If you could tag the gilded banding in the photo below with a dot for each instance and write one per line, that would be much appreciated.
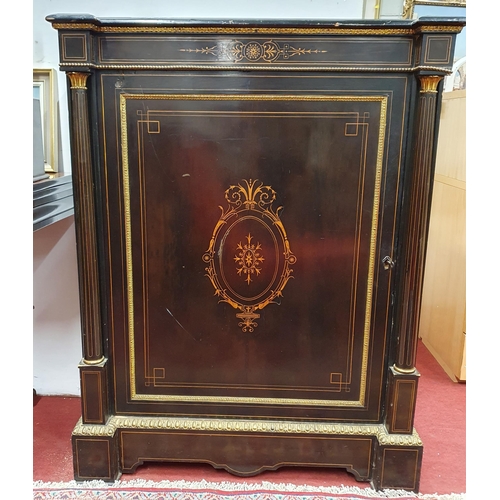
(217, 67)
(377, 431)
(207, 257)
(333, 30)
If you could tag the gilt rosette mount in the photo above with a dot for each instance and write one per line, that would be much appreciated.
(249, 257)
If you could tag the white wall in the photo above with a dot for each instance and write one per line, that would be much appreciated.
(56, 324)
(56, 313)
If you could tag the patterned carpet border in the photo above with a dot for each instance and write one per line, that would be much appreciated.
(204, 490)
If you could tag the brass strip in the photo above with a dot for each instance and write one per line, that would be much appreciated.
(371, 265)
(373, 242)
(128, 239)
(249, 400)
(255, 97)
(93, 361)
(220, 30)
(263, 67)
(404, 370)
(117, 422)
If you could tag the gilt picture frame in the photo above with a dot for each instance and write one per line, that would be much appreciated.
(409, 6)
(44, 89)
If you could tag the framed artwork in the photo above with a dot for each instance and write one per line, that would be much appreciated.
(412, 7)
(44, 89)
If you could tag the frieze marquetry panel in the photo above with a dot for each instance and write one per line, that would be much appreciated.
(260, 51)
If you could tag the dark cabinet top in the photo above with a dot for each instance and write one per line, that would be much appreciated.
(117, 24)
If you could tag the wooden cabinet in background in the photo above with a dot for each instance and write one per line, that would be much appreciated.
(442, 321)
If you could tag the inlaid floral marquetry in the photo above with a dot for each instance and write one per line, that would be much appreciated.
(236, 51)
(249, 212)
(249, 258)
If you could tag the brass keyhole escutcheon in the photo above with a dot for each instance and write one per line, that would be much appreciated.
(387, 262)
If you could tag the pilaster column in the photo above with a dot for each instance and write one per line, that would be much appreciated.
(93, 369)
(402, 376)
(83, 193)
(418, 222)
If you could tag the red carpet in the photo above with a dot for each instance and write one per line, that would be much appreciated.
(439, 420)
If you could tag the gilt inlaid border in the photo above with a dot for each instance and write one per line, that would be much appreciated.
(383, 100)
(268, 30)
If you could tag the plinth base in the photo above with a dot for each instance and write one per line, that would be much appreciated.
(247, 447)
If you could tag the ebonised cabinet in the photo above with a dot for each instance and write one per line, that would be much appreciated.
(251, 204)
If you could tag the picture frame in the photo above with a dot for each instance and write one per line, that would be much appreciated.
(409, 6)
(44, 89)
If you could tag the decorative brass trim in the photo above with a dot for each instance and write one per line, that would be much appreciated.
(429, 83)
(118, 422)
(259, 198)
(221, 30)
(249, 67)
(78, 80)
(255, 97)
(406, 371)
(95, 430)
(93, 362)
(250, 400)
(384, 438)
(128, 237)
(439, 29)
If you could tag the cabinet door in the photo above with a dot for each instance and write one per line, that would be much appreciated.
(246, 219)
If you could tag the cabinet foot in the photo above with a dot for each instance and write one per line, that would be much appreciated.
(95, 453)
(398, 467)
